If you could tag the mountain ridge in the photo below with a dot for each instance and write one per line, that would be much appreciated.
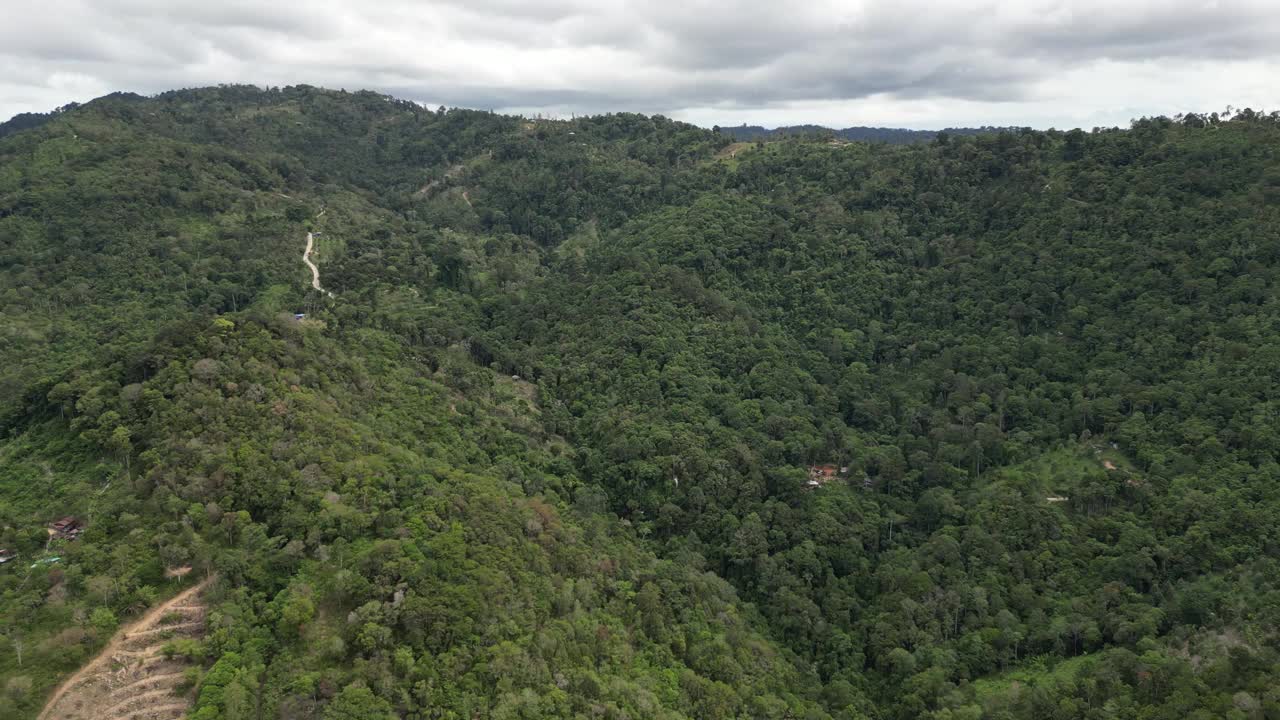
(888, 135)
(743, 132)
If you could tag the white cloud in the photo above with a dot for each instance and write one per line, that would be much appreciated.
(837, 62)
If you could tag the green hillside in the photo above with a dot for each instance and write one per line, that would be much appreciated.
(541, 448)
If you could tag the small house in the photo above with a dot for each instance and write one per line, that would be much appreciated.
(6, 555)
(822, 474)
(67, 528)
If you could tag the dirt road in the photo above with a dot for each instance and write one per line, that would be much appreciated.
(101, 666)
(306, 258)
(315, 271)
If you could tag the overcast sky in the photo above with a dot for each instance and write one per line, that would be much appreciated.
(900, 63)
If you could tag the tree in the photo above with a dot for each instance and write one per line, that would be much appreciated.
(357, 702)
(103, 620)
(750, 541)
(18, 688)
(120, 443)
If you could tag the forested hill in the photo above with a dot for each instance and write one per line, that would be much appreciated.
(26, 121)
(555, 445)
(891, 136)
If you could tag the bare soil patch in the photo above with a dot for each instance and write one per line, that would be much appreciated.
(732, 150)
(131, 679)
(448, 175)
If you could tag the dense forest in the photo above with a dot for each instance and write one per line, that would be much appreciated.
(619, 418)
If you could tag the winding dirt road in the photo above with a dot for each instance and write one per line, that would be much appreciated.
(315, 271)
(306, 258)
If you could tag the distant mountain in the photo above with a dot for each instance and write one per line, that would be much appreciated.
(26, 121)
(892, 136)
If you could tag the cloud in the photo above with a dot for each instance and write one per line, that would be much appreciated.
(931, 62)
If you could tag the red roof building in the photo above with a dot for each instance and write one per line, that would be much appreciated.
(822, 474)
(67, 528)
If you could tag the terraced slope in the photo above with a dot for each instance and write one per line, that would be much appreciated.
(132, 679)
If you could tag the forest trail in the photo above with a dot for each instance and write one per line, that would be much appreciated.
(306, 258)
(139, 682)
(448, 174)
(315, 271)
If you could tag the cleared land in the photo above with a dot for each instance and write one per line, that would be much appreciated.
(131, 679)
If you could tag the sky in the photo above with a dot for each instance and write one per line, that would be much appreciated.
(897, 63)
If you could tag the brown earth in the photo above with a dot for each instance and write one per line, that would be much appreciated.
(732, 150)
(131, 679)
(448, 174)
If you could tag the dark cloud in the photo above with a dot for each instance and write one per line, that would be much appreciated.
(651, 55)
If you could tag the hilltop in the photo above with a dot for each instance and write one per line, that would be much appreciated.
(890, 136)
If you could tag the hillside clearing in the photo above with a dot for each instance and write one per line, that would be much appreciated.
(131, 677)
